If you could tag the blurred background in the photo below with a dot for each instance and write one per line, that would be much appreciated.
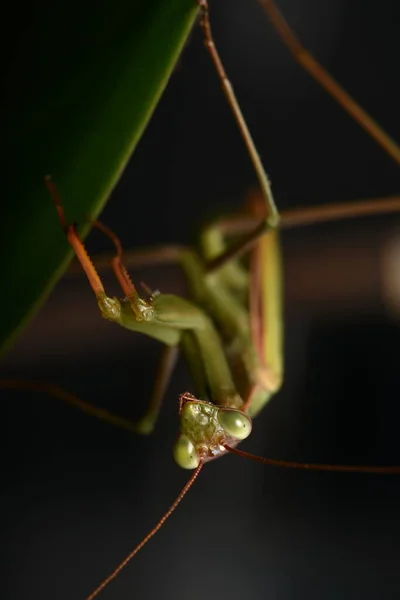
(77, 494)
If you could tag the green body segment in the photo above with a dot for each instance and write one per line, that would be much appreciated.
(272, 305)
(271, 319)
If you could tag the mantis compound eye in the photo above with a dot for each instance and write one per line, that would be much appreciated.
(185, 454)
(235, 423)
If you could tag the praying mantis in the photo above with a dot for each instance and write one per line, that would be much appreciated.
(220, 528)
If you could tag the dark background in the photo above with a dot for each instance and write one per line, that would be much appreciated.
(78, 495)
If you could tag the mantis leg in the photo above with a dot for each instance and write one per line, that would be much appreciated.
(213, 244)
(165, 368)
(326, 81)
(196, 367)
(272, 216)
(144, 426)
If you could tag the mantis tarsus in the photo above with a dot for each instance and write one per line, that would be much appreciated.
(139, 509)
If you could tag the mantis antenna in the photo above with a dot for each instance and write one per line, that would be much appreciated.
(148, 537)
(289, 464)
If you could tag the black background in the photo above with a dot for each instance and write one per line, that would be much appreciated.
(78, 495)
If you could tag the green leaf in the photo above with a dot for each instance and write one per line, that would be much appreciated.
(82, 81)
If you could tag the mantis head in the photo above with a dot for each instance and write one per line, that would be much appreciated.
(205, 429)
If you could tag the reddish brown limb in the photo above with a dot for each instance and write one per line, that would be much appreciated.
(148, 537)
(75, 241)
(288, 464)
(335, 212)
(295, 218)
(312, 215)
(273, 216)
(309, 64)
(300, 217)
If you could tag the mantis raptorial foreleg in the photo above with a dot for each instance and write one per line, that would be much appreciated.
(167, 318)
(164, 370)
(113, 310)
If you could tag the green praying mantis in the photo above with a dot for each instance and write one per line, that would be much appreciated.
(232, 344)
